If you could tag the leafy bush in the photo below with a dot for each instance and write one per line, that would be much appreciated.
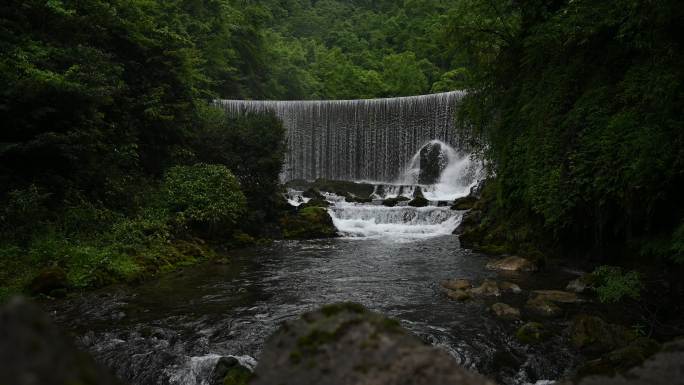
(612, 284)
(205, 196)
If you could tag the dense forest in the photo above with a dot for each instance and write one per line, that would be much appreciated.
(114, 163)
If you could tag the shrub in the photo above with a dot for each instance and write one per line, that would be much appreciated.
(205, 196)
(613, 284)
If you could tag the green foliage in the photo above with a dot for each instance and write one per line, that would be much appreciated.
(580, 106)
(613, 284)
(204, 195)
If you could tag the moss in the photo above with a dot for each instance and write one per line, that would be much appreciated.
(308, 223)
(333, 309)
(531, 333)
(238, 375)
(464, 203)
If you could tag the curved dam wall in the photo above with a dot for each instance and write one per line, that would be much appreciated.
(367, 139)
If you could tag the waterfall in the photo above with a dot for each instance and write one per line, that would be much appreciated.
(371, 139)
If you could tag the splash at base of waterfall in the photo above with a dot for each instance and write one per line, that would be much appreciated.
(398, 223)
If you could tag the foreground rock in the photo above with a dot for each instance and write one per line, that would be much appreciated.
(512, 264)
(34, 352)
(346, 344)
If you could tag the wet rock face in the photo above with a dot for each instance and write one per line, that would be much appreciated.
(34, 352)
(346, 344)
(432, 163)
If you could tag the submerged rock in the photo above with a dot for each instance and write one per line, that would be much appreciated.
(531, 333)
(488, 287)
(346, 344)
(457, 284)
(556, 296)
(512, 264)
(505, 311)
(510, 287)
(542, 307)
(458, 294)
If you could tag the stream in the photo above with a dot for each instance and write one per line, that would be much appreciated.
(173, 330)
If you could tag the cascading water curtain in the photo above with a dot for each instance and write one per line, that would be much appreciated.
(371, 139)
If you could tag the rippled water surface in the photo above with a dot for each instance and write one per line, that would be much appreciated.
(174, 329)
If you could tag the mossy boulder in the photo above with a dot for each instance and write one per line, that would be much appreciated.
(531, 333)
(505, 311)
(543, 308)
(345, 344)
(308, 223)
(464, 203)
(391, 202)
(419, 202)
(620, 360)
(315, 202)
(50, 281)
(313, 193)
(457, 284)
(228, 371)
(593, 335)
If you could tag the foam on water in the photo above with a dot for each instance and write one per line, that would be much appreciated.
(398, 223)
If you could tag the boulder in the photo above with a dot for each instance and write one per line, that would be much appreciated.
(531, 333)
(313, 193)
(457, 284)
(557, 296)
(510, 287)
(620, 360)
(315, 202)
(432, 163)
(464, 203)
(391, 202)
(488, 287)
(665, 367)
(593, 335)
(458, 294)
(419, 202)
(50, 281)
(512, 264)
(505, 311)
(345, 344)
(542, 307)
(228, 371)
(308, 223)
